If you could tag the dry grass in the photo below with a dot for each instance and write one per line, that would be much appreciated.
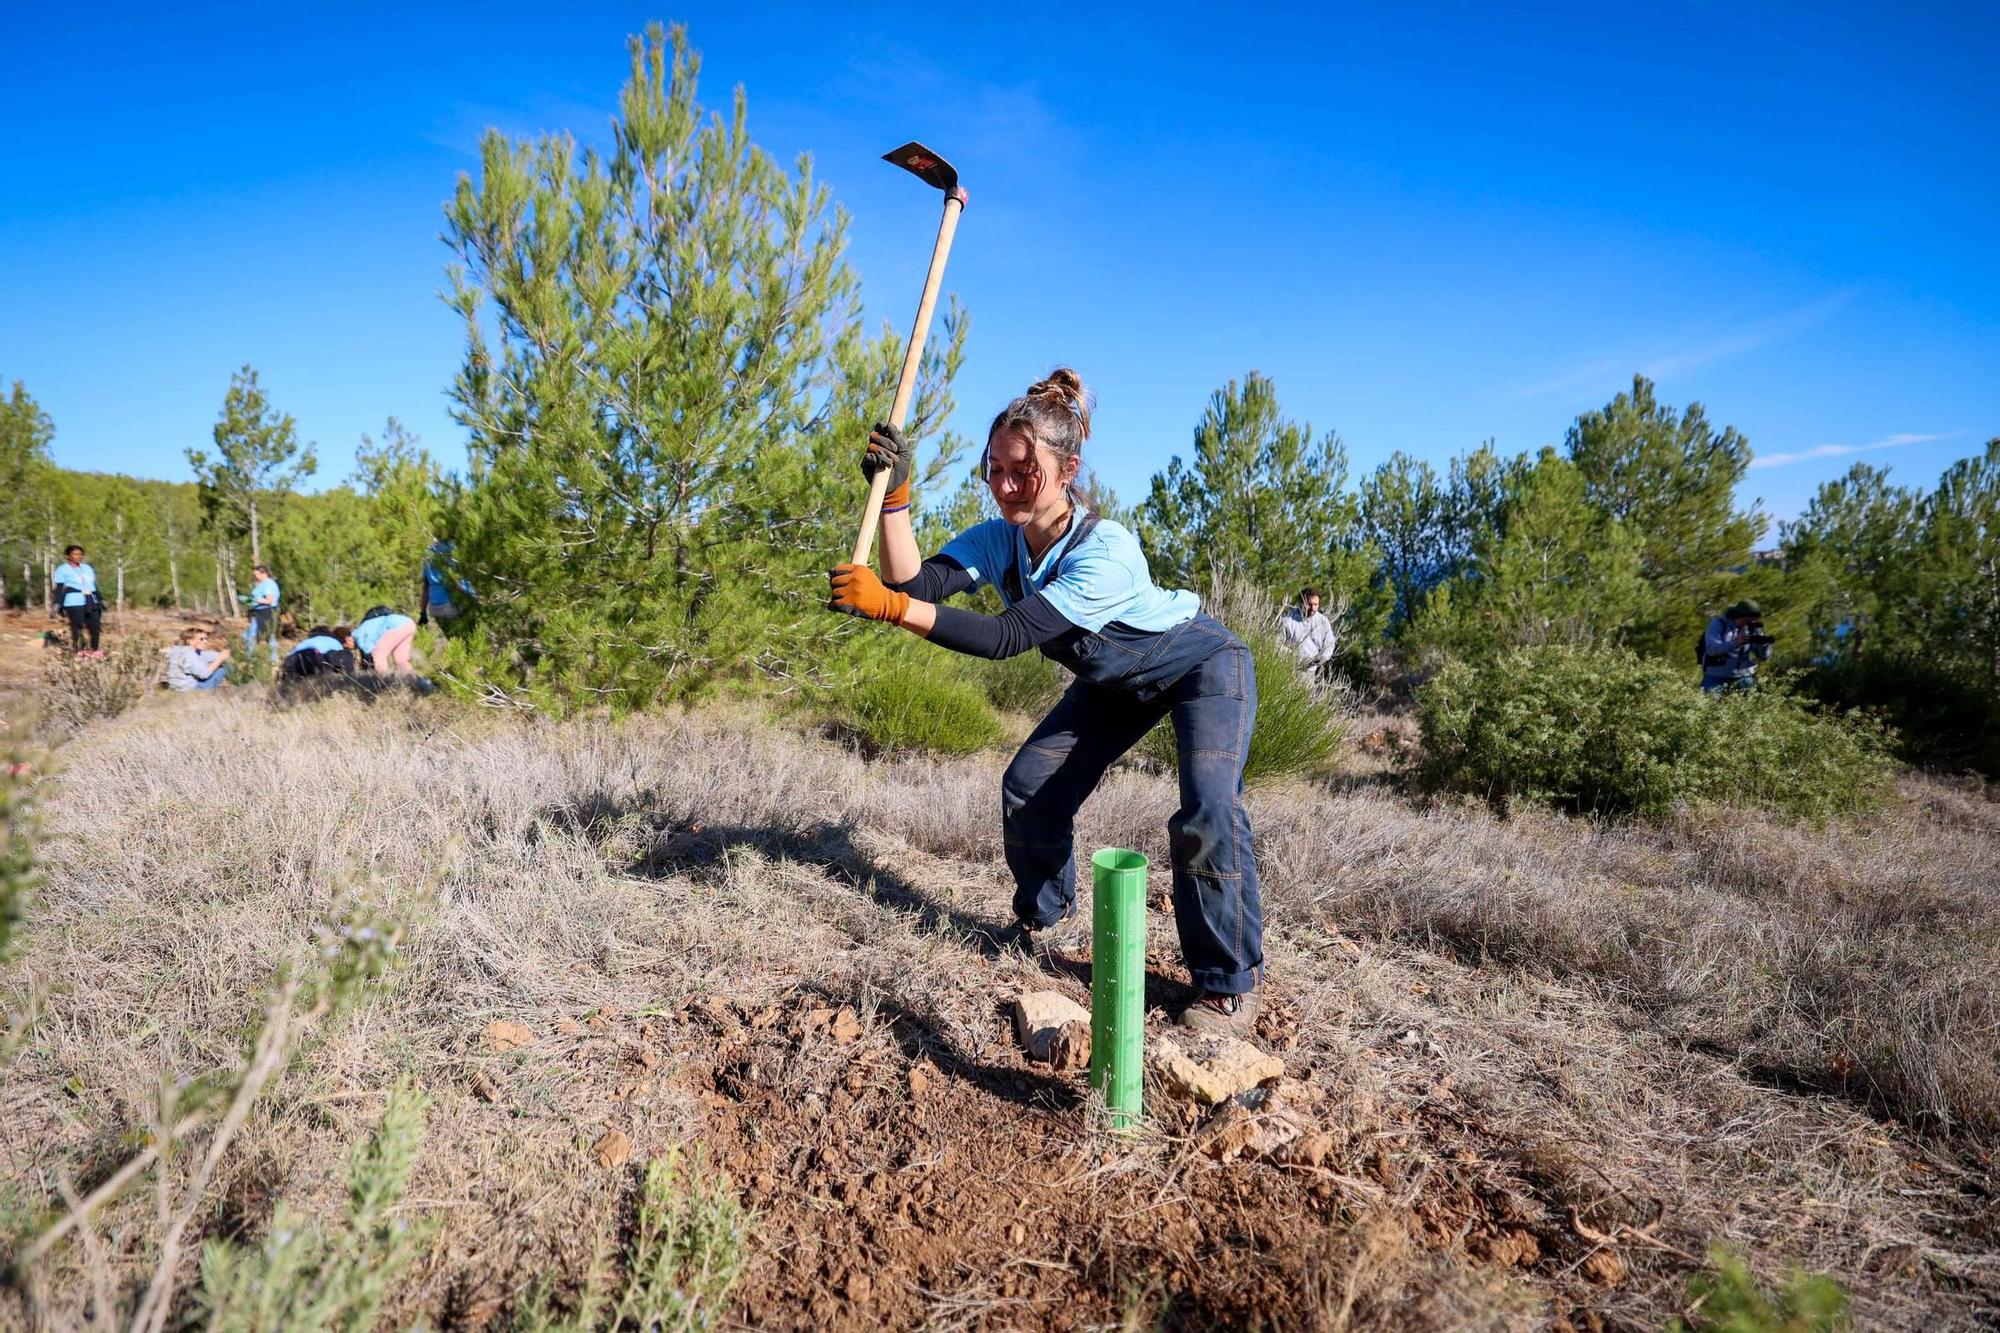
(1510, 1020)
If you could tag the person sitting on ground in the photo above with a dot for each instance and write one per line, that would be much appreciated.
(263, 611)
(1306, 632)
(385, 635)
(321, 651)
(76, 587)
(193, 665)
(1732, 646)
(1076, 586)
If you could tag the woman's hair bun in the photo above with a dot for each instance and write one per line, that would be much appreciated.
(1064, 387)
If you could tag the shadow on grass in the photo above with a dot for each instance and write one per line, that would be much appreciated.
(295, 692)
(830, 848)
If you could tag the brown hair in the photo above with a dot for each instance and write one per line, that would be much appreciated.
(1054, 414)
(191, 633)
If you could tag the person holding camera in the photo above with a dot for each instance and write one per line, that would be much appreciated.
(1732, 646)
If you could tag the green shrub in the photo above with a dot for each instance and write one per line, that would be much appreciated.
(1731, 1300)
(77, 691)
(1301, 719)
(1610, 732)
(1940, 718)
(18, 873)
(1025, 683)
(312, 1276)
(1774, 750)
(911, 703)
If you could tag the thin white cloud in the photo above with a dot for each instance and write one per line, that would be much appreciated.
(1659, 367)
(1837, 450)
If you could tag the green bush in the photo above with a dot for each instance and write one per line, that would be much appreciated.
(77, 691)
(1731, 1300)
(915, 703)
(1300, 718)
(1940, 718)
(19, 875)
(1025, 683)
(1614, 733)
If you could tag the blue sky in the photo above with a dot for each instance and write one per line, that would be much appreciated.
(1431, 224)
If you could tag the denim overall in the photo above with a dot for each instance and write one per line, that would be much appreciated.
(1199, 674)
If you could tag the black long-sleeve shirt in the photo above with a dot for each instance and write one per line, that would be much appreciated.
(1026, 624)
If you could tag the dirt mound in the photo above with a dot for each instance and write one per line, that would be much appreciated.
(889, 1169)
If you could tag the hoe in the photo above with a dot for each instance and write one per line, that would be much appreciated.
(928, 167)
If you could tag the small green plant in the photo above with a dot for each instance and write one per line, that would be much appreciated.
(1614, 733)
(904, 706)
(78, 691)
(687, 1251)
(18, 874)
(309, 1276)
(199, 1118)
(1731, 1300)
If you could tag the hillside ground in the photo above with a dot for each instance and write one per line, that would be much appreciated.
(1557, 1060)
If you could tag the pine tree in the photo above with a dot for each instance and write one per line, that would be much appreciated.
(1405, 511)
(1851, 557)
(667, 386)
(25, 466)
(257, 455)
(1261, 498)
(1960, 567)
(1551, 569)
(1670, 478)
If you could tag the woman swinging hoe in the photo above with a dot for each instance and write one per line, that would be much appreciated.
(1077, 587)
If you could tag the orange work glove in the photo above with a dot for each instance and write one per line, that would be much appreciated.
(858, 592)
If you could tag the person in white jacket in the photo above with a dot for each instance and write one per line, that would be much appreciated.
(1306, 632)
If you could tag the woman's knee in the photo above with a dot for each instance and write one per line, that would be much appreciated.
(1029, 772)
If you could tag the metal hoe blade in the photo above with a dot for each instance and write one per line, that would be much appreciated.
(921, 162)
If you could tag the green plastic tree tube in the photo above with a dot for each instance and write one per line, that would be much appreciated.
(1118, 980)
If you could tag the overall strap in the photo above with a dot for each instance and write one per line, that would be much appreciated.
(1016, 581)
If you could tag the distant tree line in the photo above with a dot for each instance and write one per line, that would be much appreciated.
(666, 376)
(193, 544)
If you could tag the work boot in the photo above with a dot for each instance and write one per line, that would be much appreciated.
(1213, 1014)
(1025, 937)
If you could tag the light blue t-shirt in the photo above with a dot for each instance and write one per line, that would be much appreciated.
(1105, 580)
(319, 643)
(369, 632)
(79, 579)
(265, 593)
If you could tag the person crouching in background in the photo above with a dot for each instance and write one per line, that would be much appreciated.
(323, 651)
(385, 634)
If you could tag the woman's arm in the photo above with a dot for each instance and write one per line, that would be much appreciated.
(1025, 625)
(900, 557)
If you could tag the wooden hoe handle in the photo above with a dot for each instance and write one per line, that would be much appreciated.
(913, 355)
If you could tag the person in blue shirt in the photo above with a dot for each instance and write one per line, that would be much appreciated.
(322, 651)
(263, 611)
(1076, 586)
(76, 597)
(1732, 646)
(385, 635)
